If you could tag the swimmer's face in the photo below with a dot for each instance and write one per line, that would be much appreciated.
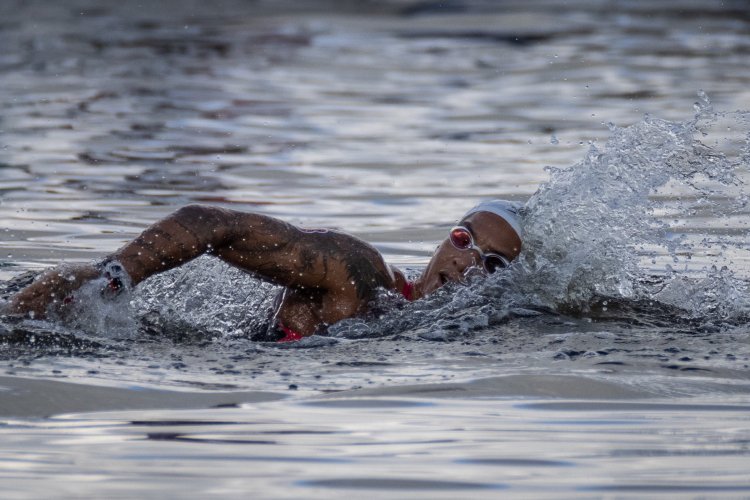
(491, 233)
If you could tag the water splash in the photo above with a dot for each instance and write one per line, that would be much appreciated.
(205, 297)
(100, 313)
(590, 229)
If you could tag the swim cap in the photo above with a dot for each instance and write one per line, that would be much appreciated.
(508, 210)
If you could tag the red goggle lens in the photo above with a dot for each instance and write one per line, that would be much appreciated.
(461, 238)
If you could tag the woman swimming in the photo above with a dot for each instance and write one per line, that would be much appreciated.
(327, 275)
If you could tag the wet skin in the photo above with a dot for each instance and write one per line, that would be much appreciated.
(328, 275)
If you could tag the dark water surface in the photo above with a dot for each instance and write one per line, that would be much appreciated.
(611, 361)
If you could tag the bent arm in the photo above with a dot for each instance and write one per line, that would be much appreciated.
(270, 248)
(267, 247)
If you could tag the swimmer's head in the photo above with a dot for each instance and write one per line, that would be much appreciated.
(487, 238)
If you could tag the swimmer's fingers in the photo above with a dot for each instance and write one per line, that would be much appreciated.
(53, 286)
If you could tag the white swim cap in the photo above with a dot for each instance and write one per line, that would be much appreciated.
(508, 210)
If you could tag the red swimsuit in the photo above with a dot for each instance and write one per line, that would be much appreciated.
(289, 334)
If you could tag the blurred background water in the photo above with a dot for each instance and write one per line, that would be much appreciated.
(388, 120)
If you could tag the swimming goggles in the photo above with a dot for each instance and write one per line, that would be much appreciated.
(462, 239)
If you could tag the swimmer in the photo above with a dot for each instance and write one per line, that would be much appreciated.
(327, 275)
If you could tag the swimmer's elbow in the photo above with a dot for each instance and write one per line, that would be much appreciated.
(202, 213)
(209, 223)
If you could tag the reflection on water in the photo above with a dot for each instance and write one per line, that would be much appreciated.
(444, 449)
(388, 125)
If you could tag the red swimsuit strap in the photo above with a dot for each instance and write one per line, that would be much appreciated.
(289, 334)
(408, 290)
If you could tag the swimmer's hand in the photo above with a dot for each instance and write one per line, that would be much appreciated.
(52, 288)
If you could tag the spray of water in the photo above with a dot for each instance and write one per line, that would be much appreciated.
(593, 226)
(205, 297)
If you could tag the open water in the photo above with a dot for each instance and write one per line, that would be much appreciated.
(612, 360)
